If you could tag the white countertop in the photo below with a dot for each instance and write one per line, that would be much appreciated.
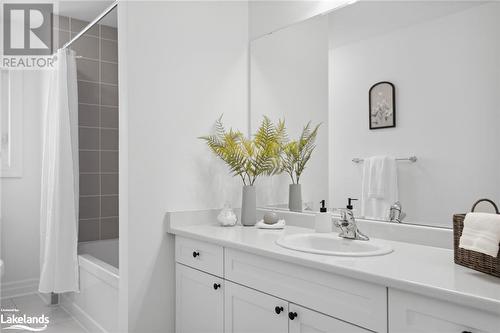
(420, 269)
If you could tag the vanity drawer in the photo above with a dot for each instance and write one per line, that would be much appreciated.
(409, 312)
(361, 303)
(200, 255)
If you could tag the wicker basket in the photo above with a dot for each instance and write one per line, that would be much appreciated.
(471, 259)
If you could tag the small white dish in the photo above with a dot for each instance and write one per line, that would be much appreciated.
(277, 226)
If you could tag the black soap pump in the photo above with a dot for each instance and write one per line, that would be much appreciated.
(349, 203)
(350, 206)
(322, 208)
(323, 222)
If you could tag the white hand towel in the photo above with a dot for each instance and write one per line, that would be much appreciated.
(377, 176)
(481, 233)
(379, 186)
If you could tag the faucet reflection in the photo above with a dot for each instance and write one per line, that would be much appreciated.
(396, 213)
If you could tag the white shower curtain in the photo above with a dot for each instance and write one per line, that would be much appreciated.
(60, 181)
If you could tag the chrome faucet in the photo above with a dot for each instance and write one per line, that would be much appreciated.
(396, 213)
(348, 227)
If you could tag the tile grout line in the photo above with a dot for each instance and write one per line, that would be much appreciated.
(97, 218)
(99, 81)
(89, 34)
(97, 173)
(97, 150)
(96, 60)
(100, 131)
(106, 106)
(97, 127)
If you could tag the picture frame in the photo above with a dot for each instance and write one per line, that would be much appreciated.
(382, 105)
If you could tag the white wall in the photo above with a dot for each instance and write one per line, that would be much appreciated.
(447, 77)
(182, 64)
(289, 80)
(20, 222)
(268, 16)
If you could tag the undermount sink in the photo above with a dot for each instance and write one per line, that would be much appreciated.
(331, 244)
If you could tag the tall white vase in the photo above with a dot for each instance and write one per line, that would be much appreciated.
(249, 206)
(295, 198)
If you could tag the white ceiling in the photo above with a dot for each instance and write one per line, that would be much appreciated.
(86, 10)
(366, 19)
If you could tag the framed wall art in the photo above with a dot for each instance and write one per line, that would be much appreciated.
(382, 103)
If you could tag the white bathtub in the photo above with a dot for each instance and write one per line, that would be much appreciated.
(105, 250)
(96, 305)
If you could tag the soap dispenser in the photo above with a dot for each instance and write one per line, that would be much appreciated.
(350, 206)
(323, 222)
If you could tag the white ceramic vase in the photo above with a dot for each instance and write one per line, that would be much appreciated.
(249, 206)
(295, 198)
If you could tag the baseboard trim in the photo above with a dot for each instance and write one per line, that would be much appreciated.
(80, 315)
(19, 288)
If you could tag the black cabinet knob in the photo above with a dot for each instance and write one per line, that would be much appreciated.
(292, 315)
(196, 254)
(278, 309)
(466, 332)
(216, 286)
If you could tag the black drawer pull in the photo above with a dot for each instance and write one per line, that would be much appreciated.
(216, 286)
(292, 315)
(278, 309)
(466, 332)
(196, 254)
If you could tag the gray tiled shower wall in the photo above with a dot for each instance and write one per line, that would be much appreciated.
(97, 66)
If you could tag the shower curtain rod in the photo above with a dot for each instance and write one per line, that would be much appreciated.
(91, 24)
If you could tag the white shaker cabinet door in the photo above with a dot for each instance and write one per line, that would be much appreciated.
(199, 301)
(250, 311)
(303, 320)
(411, 313)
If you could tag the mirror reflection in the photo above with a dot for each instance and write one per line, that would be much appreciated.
(407, 95)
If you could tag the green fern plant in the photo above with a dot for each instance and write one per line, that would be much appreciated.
(249, 158)
(296, 153)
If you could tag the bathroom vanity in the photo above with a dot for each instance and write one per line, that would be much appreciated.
(239, 280)
(323, 70)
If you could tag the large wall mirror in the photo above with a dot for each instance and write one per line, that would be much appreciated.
(443, 59)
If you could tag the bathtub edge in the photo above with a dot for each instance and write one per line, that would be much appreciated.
(102, 270)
